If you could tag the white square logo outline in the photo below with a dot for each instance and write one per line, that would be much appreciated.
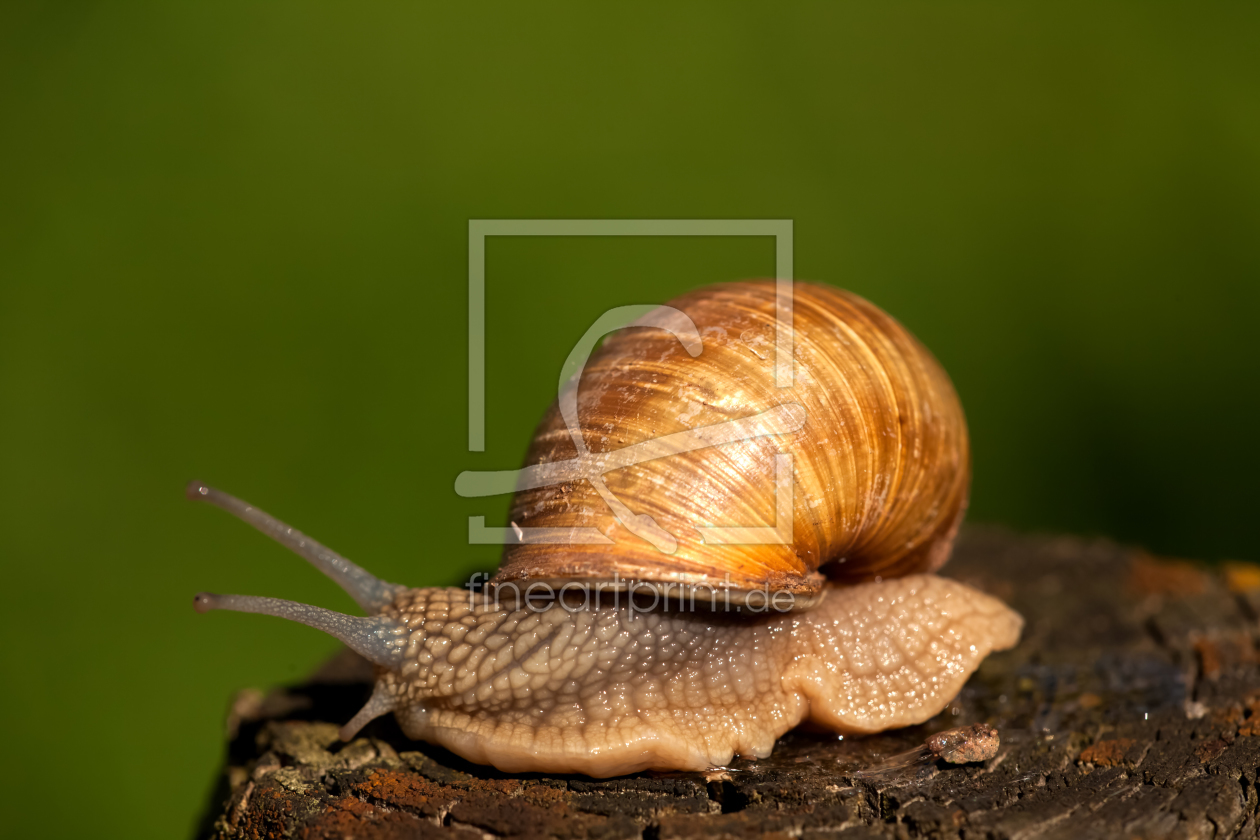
(479, 229)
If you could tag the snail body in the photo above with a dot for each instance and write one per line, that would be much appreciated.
(764, 559)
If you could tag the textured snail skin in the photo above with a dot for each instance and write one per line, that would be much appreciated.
(613, 690)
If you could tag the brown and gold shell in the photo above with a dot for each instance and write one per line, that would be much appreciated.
(877, 477)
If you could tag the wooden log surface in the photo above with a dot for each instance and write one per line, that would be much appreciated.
(1130, 708)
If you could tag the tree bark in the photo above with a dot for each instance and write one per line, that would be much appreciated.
(1131, 707)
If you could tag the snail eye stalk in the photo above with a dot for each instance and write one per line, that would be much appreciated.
(368, 591)
(377, 639)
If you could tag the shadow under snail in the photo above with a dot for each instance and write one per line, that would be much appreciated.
(682, 630)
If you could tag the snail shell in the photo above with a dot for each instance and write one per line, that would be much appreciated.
(879, 454)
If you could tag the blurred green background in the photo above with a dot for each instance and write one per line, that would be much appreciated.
(233, 246)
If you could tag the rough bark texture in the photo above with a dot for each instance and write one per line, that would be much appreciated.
(1131, 708)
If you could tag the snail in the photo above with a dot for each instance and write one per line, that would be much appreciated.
(702, 555)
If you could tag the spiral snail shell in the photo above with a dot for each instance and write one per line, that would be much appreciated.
(879, 454)
(676, 463)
